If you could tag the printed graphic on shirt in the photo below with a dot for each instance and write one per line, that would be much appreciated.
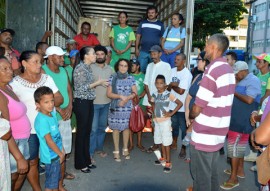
(162, 101)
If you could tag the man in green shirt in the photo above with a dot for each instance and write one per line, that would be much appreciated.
(139, 78)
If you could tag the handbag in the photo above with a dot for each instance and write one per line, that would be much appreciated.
(263, 167)
(137, 120)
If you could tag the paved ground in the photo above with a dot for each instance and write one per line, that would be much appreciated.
(140, 174)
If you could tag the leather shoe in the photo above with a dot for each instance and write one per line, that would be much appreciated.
(86, 170)
(92, 166)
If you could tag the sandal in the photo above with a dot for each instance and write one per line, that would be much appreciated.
(227, 171)
(69, 176)
(229, 185)
(141, 148)
(116, 156)
(152, 149)
(102, 154)
(126, 154)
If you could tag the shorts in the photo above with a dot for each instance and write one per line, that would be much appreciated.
(33, 146)
(66, 134)
(53, 174)
(24, 148)
(163, 132)
(237, 143)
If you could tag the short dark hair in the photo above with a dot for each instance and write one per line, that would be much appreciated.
(151, 7)
(86, 23)
(183, 56)
(25, 56)
(221, 40)
(161, 77)
(39, 45)
(41, 91)
(101, 48)
(233, 55)
(116, 66)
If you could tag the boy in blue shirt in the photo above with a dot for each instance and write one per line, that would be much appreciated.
(46, 126)
(162, 119)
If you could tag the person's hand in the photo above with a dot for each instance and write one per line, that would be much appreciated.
(253, 143)
(124, 98)
(170, 51)
(137, 53)
(103, 82)
(48, 33)
(188, 122)
(118, 51)
(252, 118)
(62, 157)
(165, 51)
(64, 113)
(122, 103)
(22, 166)
(174, 84)
(167, 114)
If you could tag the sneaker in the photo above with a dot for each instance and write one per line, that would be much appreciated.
(253, 168)
(161, 161)
(167, 168)
(41, 170)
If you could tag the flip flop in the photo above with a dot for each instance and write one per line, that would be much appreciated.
(227, 171)
(69, 176)
(229, 185)
(141, 148)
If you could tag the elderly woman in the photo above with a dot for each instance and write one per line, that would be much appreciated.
(24, 86)
(121, 90)
(13, 111)
(83, 107)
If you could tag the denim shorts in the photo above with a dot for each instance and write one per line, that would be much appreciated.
(33, 146)
(53, 174)
(24, 148)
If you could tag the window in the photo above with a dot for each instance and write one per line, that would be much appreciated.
(242, 38)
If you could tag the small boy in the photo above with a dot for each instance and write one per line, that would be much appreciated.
(162, 120)
(46, 126)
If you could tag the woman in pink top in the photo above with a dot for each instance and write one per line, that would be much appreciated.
(15, 112)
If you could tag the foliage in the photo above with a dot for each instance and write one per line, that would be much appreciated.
(2, 13)
(212, 16)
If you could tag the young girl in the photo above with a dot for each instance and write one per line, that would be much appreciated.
(173, 39)
(122, 37)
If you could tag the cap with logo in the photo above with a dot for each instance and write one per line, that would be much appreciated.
(12, 32)
(54, 50)
(73, 53)
(70, 41)
(263, 56)
(239, 66)
(135, 61)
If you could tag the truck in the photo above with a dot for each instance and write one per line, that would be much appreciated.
(30, 19)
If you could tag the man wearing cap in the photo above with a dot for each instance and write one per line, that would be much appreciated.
(101, 104)
(246, 99)
(157, 67)
(70, 45)
(55, 61)
(6, 37)
(85, 38)
(149, 33)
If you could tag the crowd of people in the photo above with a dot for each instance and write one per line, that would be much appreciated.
(45, 93)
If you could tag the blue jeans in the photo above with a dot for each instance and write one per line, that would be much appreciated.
(99, 125)
(179, 121)
(169, 58)
(144, 59)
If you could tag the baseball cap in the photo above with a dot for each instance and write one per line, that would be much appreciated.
(263, 56)
(70, 41)
(239, 66)
(54, 50)
(73, 53)
(12, 32)
(135, 61)
(155, 48)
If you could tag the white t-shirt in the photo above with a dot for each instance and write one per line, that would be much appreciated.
(25, 92)
(184, 77)
(152, 70)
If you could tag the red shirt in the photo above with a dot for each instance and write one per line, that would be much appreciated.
(13, 57)
(90, 41)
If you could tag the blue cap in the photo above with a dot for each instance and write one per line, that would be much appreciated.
(73, 53)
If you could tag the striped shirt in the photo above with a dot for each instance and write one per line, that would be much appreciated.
(215, 97)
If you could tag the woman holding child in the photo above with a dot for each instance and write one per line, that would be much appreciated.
(122, 89)
(24, 86)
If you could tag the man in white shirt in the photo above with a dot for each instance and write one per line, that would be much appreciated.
(157, 67)
(181, 80)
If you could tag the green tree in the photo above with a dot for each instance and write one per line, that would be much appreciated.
(212, 16)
